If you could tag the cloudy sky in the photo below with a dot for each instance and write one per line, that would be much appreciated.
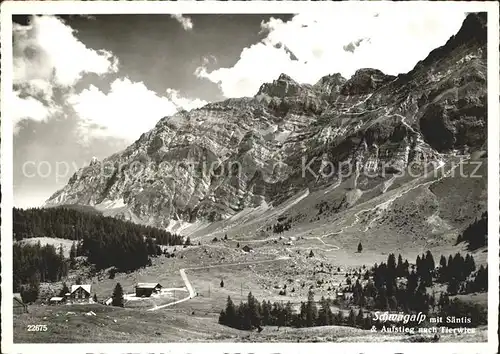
(90, 85)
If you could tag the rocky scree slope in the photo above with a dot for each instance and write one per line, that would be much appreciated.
(211, 163)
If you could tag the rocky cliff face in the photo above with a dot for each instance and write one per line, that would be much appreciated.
(213, 162)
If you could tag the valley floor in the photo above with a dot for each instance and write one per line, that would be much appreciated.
(318, 253)
(103, 324)
(188, 311)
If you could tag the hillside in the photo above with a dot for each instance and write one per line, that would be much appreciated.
(105, 241)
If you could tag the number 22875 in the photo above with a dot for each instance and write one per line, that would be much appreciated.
(37, 328)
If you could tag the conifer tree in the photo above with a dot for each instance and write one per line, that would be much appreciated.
(360, 248)
(30, 292)
(443, 268)
(391, 269)
(223, 318)
(442, 262)
(325, 314)
(400, 267)
(117, 298)
(266, 312)
(419, 265)
(105, 241)
(72, 254)
(61, 251)
(64, 290)
(230, 313)
(406, 268)
(430, 260)
(311, 310)
(302, 318)
(253, 311)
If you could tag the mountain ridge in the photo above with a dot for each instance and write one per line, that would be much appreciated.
(371, 123)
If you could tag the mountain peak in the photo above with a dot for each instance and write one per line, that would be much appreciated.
(473, 27)
(285, 77)
(93, 161)
(336, 78)
(284, 86)
(472, 32)
(256, 146)
(330, 85)
(367, 71)
(365, 81)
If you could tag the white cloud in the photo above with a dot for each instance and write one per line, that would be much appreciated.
(48, 50)
(47, 55)
(184, 102)
(128, 110)
(185, 21)
(29, 107)
(394, 41)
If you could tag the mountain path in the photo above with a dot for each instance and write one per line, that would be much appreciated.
(190, 288)
(379, 207)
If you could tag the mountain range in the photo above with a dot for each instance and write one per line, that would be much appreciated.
(378, 150)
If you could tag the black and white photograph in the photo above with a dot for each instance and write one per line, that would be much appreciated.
(316, 174)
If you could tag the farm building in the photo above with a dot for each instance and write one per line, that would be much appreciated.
(56, 300)
(80, 293)
(147, 289)
(18, 304)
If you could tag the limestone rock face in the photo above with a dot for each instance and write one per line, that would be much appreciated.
(213, 162)
(283, 87)
(365, 81)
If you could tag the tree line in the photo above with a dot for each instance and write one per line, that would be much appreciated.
(105, 241)
(394, 285)
(254, 314)
(71, 224)
(283, 224)
(476, 234)
(34, 263)
(460, 274)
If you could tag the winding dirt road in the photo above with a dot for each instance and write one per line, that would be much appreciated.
(190, 288)
(379, 208)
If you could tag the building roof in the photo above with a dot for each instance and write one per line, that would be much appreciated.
(148, 285)
(18, 296)
(85, 287)
(56, 298)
